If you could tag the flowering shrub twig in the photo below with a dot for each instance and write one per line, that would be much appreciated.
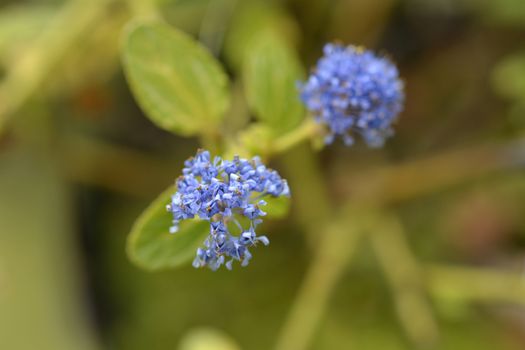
(354, 91)
(221, 192)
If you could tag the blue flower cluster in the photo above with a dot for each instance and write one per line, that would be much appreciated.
(353, 91)
(223, 192)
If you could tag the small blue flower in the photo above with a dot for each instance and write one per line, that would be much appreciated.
(221, 192)
(353, 91)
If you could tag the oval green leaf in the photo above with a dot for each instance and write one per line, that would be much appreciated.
(250, 19)
(270, 75)
(151, 245)
(179, 85)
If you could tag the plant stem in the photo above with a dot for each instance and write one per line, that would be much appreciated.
(406, 280)
(26, 74)
(475, 284)
(375, 185)
(304, 132)
(144, 9)
(301, 168)
(415, 178)
(336, 247)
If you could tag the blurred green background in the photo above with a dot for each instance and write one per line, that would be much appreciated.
(79, 162)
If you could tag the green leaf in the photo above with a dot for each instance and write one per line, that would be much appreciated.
(179, 85)
(270, 74)
(250, 19)
(277, 207)
(153, 247)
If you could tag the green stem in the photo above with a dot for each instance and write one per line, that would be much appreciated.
(415, 178)
(333, 247)
(335, 250)
(405, 278)
(475, 284)
(305, 131)
(26, 75)
(312, 205)
(144, 9)
(93, 162)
